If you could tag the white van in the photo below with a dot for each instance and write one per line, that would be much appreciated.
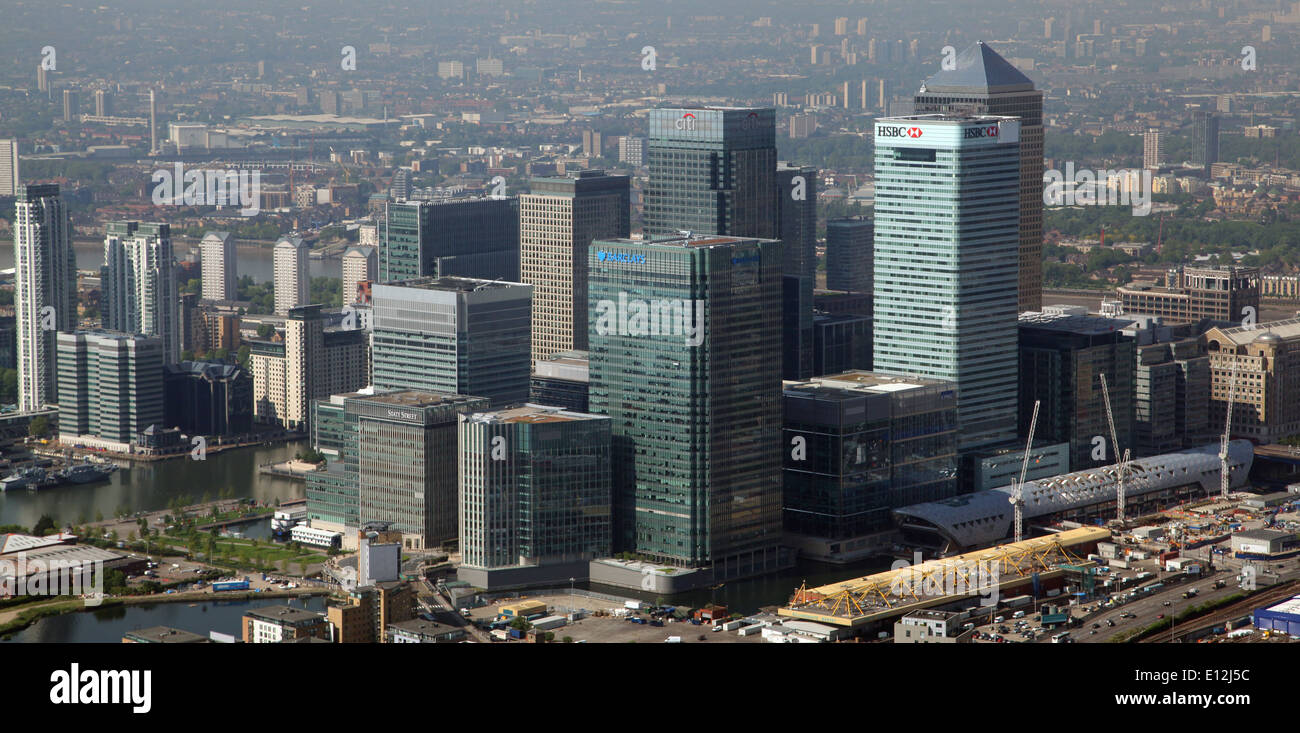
(1018, 614)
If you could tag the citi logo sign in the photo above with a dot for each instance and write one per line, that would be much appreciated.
(912, 132)
(974, 132)
(604, 256)
(686, 122)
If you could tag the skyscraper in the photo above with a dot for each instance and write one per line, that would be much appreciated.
(311, 363)
(796, 210)
(1153, 149)
(292, 281)
(110, 387)
(712, 171)
(535, 495)
(849, 254)
(455, 335)
(557, 222)
(459, 238)
(220, 273)
(683, 336)
(946, 244)
(9, 180)
(138, 282)
(360, 264)
(45, 289)
(1205, 139)
(984, 83)
(71, 105)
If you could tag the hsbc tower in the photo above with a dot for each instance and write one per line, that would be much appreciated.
(947, 238)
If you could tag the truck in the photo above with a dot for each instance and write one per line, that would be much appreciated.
(516, 634)
(500, 634)
(633, 605)
(228, 585)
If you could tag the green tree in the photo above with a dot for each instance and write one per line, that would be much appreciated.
(43, 525)
(39, 427)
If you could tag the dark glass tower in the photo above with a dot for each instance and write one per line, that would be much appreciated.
(460, 238)
(712, 171)
(684, 334)
(796, 208)
(984, 83)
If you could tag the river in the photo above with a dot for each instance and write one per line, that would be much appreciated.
(152, 486)
(108, 625)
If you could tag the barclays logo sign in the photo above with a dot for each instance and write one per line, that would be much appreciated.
(744, 260)
(604, 256)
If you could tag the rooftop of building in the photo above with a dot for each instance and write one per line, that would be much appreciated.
(1074, 323)
(531, 413)
(166, 635)
(412, 398)
(421, 626)
(453, 284)
(209, 369)
(287, 614)
(979, 70)
(1266, 535)
(948, 118)
(684, 239)
(864, 381)
(928, 615)
(1274, 331)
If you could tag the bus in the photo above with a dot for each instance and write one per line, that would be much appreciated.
(1061, 638)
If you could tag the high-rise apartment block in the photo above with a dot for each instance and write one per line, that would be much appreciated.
(291, 261)
(684, 333)
(557, 222)
(138, 283)
(310, 363)
(455, 335)
(984, 83)
(1153, 149)
(360, 264)
(45, 289)
(218, 255)
(9, 180)
(535, 495)
(946, 247)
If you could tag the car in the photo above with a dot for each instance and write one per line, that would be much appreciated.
(1167, 603)
(1096, 626)
(1093, 631)
(1110, 622)
(1160, 616)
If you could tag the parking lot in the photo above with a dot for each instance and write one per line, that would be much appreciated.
(612, 629)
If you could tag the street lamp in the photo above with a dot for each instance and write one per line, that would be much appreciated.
(571, 582)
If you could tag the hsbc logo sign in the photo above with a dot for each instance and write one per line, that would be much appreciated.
(974, 132)
(912, 132)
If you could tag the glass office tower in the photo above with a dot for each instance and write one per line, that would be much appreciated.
(685, 338)
(712, 171)
(473, 237)
(947, 244)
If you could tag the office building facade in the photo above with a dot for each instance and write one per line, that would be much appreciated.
(946, 250)
(1260, 366)
(311, 362)
(563, 379)
(712, 171)
(208, 398)
(1062, 358)
(407, 462)
(796, 210)
(110, 387)
(535, 495)
(557, 222)
(138, 284)
(45, 289)
(849, 254)
(683, 337)
(462, 237)
(982, 82)
(453, 334)
(1190, 294)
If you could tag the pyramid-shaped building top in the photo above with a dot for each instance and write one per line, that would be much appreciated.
(979, 69)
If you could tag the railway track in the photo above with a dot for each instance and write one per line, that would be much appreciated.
(1223, 615)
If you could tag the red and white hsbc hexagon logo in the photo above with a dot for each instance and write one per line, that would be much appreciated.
(974, 132)
(890, 131)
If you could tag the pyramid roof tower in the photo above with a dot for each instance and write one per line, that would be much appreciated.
(979, 69)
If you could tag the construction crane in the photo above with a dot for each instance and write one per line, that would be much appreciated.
(1225, 473)
(1017, 491)
(1121, 463)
